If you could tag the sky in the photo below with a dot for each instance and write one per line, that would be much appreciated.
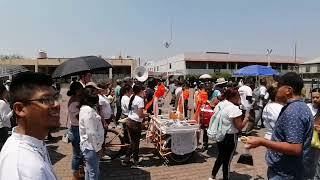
(139, 28)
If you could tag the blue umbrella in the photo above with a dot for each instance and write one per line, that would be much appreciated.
(255, 70)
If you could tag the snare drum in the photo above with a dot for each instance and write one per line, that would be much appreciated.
(205, 115)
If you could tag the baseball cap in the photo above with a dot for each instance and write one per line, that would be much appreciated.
(291, 79)
(92, 84)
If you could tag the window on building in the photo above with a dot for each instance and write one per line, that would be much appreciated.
(170, 66)
(195, 65)
(284, 66)
(232, 65)
(308, 68)
(276, 66)
(318, 67)
(241, 65)
(157, 68)
(218, 65)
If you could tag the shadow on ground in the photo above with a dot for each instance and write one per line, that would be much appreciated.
(54, 155)
(238, 176)
(112, 171)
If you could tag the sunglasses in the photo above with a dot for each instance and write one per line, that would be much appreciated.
(47, 100)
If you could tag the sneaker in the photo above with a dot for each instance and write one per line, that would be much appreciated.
(210, 178)
(105, 158)
(126, 163)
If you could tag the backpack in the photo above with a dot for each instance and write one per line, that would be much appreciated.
(216, 130)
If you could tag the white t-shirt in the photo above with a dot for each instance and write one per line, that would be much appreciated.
(229, 112)
(90, 129)
(313, 110)
(137, 103)
(178, 91)
(244, 92)
(263, 92)
(25, 157)
(5, 114)
(105, 108)
(270, 115)
(124, 105)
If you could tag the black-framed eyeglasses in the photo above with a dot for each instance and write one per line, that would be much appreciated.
(51, 100)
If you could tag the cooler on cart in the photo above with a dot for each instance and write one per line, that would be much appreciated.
(205, 115)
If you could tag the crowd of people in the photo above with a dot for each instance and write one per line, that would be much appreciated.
(31, 105)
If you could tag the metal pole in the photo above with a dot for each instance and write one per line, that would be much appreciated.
(295, 55)
(269, 51)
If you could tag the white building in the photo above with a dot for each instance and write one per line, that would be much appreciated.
(210, 62)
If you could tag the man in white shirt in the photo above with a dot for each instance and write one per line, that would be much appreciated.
(314, 106)
(245, 92)
(36, 106)
(260, 102)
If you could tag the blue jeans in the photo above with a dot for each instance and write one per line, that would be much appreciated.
(92, 164)
(77, 157)
(272, 176)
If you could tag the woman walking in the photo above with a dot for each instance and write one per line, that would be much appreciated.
(73, 115)
(91, 132)
(135, 117)
(233, 122)
(271, 112)
(5, 115)
(127, 90)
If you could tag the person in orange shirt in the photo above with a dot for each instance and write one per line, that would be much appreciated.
(186, 95)
(201, 99)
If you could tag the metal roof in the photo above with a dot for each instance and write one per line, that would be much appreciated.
(313, 61)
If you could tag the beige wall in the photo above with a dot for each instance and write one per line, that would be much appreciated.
(37, 64)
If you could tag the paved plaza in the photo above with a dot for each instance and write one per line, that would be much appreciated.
(153, 166)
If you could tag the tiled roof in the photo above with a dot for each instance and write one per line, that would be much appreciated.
(224, 57)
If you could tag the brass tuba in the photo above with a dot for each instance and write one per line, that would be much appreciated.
(141, 73)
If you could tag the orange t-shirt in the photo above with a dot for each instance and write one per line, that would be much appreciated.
(186, 94)
(160, 91)
(202, 97)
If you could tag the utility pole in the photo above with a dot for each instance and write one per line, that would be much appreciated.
(295, 56)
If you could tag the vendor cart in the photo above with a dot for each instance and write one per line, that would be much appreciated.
(175, 140)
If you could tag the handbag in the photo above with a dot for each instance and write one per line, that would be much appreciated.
(66, 135)
(315, 143)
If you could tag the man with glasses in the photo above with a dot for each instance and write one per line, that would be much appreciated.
(289, 150)
(36, 107)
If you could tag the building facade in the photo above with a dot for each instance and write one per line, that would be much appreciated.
(211, 62)
(310, 72)
(310, 69)
(120, 67)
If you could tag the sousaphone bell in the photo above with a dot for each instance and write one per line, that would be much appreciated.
(141, 73)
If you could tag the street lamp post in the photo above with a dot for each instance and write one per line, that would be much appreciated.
(269, 51)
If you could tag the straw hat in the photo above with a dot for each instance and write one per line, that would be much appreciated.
(221, 81)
